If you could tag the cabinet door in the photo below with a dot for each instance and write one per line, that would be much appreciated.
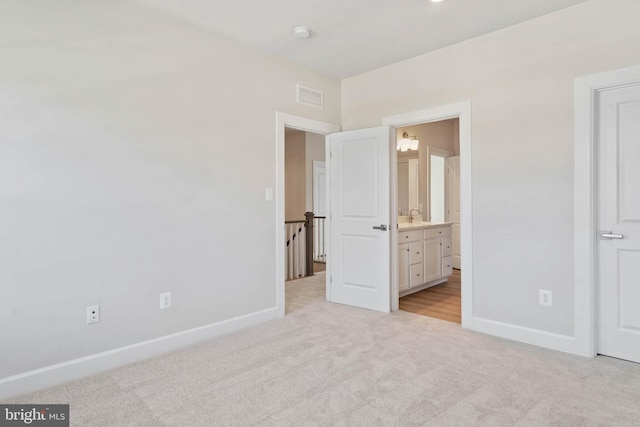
(432, 260)
(403, 267)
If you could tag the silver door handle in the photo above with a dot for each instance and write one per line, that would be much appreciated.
(608, 235)
(382, 227)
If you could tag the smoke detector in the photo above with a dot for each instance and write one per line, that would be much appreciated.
(301, 32)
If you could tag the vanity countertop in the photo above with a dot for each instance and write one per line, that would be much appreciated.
(421, 225)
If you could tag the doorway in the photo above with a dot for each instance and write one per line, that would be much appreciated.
(305, 192)
(462, 112)
(283, 122)
(431, 284)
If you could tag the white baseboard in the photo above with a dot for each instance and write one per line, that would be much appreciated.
(559, 342)
(77, 368)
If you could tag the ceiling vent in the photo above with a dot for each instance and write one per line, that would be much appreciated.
(310, 97)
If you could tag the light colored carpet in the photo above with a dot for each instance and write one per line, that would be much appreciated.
(327, 364)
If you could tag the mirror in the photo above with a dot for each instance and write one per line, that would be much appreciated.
(408, 184)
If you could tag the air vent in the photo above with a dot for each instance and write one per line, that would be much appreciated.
(310, 97)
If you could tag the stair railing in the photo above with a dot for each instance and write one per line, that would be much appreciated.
(319, 248)
(300, 248)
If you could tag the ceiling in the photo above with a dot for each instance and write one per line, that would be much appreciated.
(349, 37)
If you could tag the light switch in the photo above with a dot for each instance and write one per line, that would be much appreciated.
(268, 194)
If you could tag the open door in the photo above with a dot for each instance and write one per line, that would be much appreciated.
(360, 207)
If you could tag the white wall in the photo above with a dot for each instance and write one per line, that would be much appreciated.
(134, 154)
(520, 83)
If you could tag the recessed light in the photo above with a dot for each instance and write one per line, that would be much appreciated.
(301, 32)
(436, 1)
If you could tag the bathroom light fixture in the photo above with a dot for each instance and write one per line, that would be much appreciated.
(408, 142)
(301, 32)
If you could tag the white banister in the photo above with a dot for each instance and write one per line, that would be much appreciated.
(319, 248)
(299, 263)
(295, 244)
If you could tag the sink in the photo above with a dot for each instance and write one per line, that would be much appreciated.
(403, 219)
(411, 224)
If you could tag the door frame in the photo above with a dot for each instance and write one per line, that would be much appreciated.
(586, 90)
(462, 111)
(284, 120)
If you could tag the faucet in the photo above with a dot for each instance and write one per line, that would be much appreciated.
(399, 212)
(411, 214)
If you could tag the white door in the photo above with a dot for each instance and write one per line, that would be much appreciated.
(359, 207)
(453, 166)
(618, 151)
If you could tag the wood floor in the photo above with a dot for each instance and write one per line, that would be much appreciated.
(440, 301)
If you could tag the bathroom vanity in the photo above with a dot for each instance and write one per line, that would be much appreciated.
(424, 255)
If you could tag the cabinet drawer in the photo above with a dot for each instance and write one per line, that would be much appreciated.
(416, 275)
(415, 252)
(446, 266)
(431, 233)
(447, 246)
(409, 236)
(403, 267)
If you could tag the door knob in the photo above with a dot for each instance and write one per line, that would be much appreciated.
(382, 227)
(608, 235)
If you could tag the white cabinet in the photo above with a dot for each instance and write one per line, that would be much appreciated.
(403, 266)
(424, 258)
(447, 258)
(410, 259)
(416, 266)
(432, 260)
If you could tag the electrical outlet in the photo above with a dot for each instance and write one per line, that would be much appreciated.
(545, 298)
(165, 300)
(93, 314)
